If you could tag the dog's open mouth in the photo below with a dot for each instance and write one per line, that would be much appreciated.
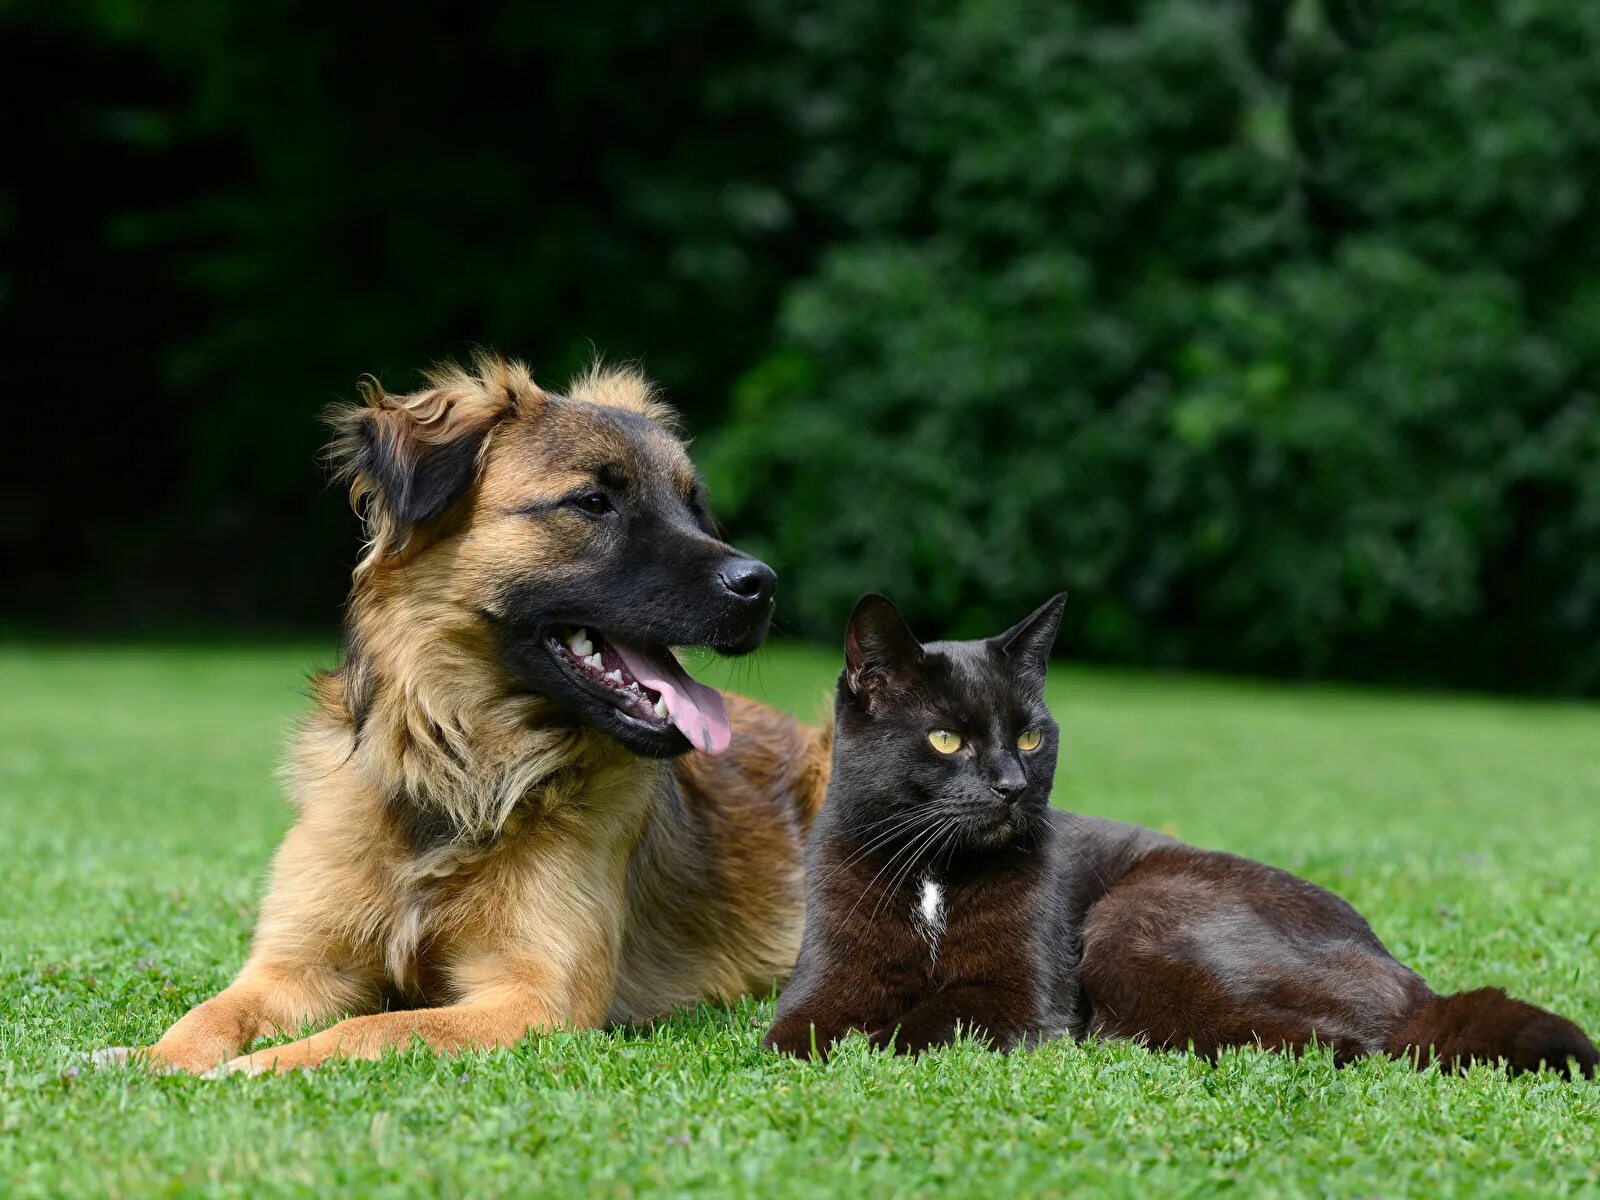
(645, 685)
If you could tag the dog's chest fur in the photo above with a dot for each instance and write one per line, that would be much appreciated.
(465, 890)
(685, 876)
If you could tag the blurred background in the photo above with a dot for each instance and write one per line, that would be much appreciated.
(1271, 330)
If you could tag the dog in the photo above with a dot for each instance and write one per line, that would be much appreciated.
(515, 811)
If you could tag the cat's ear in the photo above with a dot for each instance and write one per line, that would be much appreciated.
(1028, 642)
(877, 644)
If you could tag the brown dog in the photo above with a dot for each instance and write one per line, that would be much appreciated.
(489, 839)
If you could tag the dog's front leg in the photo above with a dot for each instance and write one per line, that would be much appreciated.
(527, 997)
(537, 951)
(266, 998)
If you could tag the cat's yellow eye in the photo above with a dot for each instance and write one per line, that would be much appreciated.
(944, 741)
(1029, 740)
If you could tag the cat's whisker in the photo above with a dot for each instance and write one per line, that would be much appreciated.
(911, 842)
(876, 843)
(921, 844)
(908, 847)
(911, 819)
(950, 847)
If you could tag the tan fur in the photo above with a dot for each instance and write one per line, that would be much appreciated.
(685, 941)
(577, 885)
(622, 387)
(455, 402)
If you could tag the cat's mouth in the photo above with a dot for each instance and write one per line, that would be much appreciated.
(988, 829)
(991, 834)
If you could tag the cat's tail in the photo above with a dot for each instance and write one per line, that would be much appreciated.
(1487, 1025)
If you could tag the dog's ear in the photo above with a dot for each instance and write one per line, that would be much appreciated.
(1027, 643)
(877, 645)
(408, 458)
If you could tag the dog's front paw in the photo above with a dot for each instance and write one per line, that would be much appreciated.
(157, 1059)
(245, 1064)
(110, 1057)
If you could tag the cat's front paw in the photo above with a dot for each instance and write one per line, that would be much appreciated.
(886, 1039)
(798, 1037)
(911, 1040)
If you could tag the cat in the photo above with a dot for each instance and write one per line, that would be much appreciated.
(944, 894)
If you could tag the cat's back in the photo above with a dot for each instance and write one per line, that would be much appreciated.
(1089, 854)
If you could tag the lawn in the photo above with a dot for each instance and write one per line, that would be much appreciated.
(138, 808)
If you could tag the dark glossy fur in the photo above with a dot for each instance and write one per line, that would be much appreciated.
(1053, 924)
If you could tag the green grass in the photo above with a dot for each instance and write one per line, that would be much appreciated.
(138, 808)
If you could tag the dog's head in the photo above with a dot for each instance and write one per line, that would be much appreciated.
(573, 527)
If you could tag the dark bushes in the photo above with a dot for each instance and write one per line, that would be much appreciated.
(1270, 331)
(1268, 327)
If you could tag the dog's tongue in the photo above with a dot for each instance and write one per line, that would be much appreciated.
(697, 711)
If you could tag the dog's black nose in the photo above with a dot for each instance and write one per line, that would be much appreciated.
(749, 579)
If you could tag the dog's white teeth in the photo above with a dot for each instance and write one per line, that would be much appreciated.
(594, 660)
(614, 676)
(661, 709)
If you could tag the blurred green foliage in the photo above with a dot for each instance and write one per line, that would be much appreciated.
(1269, 329)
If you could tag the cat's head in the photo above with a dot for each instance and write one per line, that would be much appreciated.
(951, 740)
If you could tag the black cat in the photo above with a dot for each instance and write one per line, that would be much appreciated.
(942, 891)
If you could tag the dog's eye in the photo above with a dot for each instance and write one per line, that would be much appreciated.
(944, 741)
(593, 503)
(1029, 740)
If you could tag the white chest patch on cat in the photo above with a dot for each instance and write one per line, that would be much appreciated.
(927, 915)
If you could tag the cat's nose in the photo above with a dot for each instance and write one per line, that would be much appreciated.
(1008, 785)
